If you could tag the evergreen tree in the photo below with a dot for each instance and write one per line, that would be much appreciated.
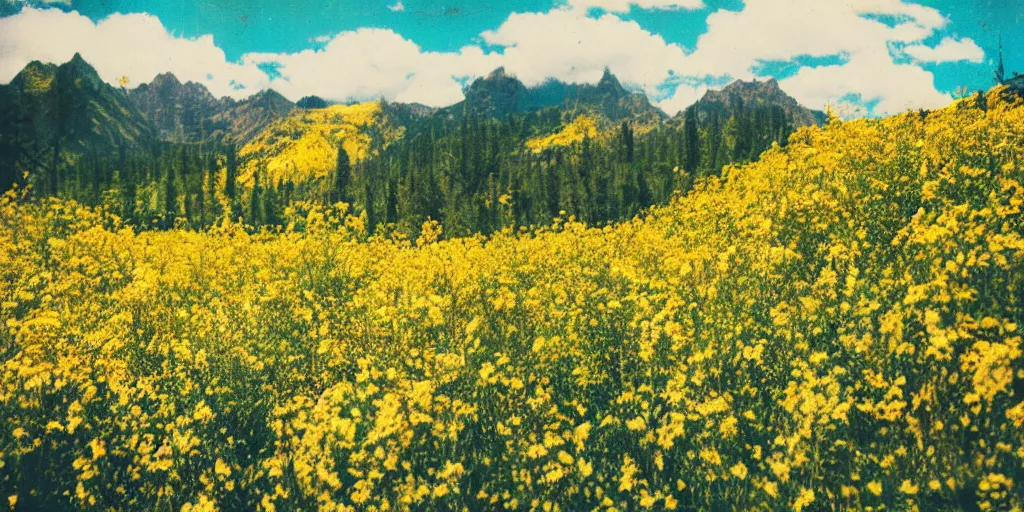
(271, 206)
(186, 184)
(201, 192)
(95, 180)
(368, 207)
(1000, 74)
(255, 210)
(127, 187)
(691, 141)
(628, 145)
(170, 195)
(210, 186)
(391, 204)
(230, 179)
(342, 176)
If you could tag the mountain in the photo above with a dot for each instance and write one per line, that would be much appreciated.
(190, 113)
(242, 120)
(496, 96)
(500, 94)
(609, 98)
(49, 111)
(179, 112)
(309, 102)
(742, 94)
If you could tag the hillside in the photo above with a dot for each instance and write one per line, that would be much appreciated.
(836, 326)
(189, 113)
(178, 112)
(304, 145)
(241, 121)
(66, 108)
(574, 132)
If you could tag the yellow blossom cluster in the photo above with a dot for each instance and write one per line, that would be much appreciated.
(304, 145)
(584, 126)
(835, 327)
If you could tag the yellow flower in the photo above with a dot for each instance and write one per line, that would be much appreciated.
(907, 487)
(221, 468)
(739, 470)
(585, 468)
(805, 498)
(98, 447)
(874, 487)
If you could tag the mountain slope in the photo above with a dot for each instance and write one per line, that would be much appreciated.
(242, 120)
(741, 94)
(50, 111)
(500, 94)
(190, 113)
(303, 146)
(177, 111)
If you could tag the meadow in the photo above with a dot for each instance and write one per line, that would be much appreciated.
(836, 326)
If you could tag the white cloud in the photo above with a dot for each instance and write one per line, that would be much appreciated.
(564, 43)
(871, 76)
(949, 50)
(572, 47)
(133, 45)
(370, 63)
(397, 7)
(737, 42)
(624, 5)
(684, 96)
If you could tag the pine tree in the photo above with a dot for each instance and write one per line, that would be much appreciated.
(170, 195)
(626, 134)
(391, 204)
(186, 184)
(255, 217)
(342, 176)
(368, 207)
(271, 205)
(127, 186)
(201, 193)
(95, 194)
(1000, 74)
(691, 141)
(210, 186)
(230, 178)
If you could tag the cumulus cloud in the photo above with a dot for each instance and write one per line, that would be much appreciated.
(869, 39)
(573, 47)
(370, 63)
(133, 45)
(871, 76)
(949, 50)
(736, 42)
(684, 96)
(397, 7)
(624, 5)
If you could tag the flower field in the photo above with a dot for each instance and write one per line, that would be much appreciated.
(837, 326)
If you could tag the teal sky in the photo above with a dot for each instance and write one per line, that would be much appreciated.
(245, 27)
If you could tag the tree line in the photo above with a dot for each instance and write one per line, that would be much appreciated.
(473, 175)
